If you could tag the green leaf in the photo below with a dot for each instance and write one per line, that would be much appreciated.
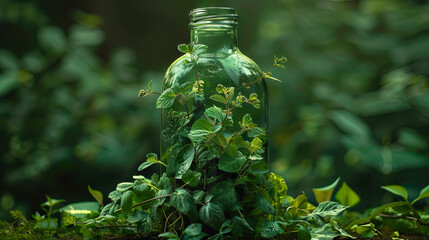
(200, 130)
(231, 161)
(424, 193)
(145, 225)
(328, 208)
(273, 78)
(184, 158)
(48, 223)
(127, 201)
(106, 209)
(192, 48)
(303, 233)
(164, 183)
(351, 124)
(240, 228)
(52, 202)
(166, 99)
(86, 36)
(52, 39)
(184, 48)
(324, 194)
(124, 186)
(223, 194)
(194, 232)
(247, 119)
(136, 215)
(184, 202)
(254, 101)
(268, 229)
(140, 186)
(192, 178)
(326, 232)
(115, 195)
(212, 215)
(346, 196)
(280, 189)
(169, 235)
(198, 196)
(337, 227)
(256, 132)
(255, 145)
(97, 195)
(145, 165)
(216, 113)
(265, 205)
(82, 210)
(199, 48)
(397, 190)
(218, 98)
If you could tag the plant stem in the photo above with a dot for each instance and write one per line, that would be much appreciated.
(405, 217)
(257, 80)
(146, 201)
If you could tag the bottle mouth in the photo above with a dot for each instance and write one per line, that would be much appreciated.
(213, 17)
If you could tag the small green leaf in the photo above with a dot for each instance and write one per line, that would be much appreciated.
(255, 145)
(246, 121)
(115, 195)
(223, 194)
(52, 39)
(82, 210)
(256, 132)
(254, 101)
(136, 216)
(397, 190)
(424, 193)
(273, 78)
(183, 48)
(212, 215)
(198, 196)
(124, 186)
(216, 113)
(145, 225)
(280, 189)
(346, 196)
(140, 186)
(184, 202)
(268, 229)
(324, 194)
(127, 201)
(303, 233)
(97, 195)
(328, 208)
(325, 232)
(340, 230)
(166, 99)
(184, 160)
(265, 205)
(199, 131)
(199, 48)
(231, 161)
(192, 178)
(218, 98)
(145, 165)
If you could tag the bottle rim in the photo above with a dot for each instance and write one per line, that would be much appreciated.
(213, 17)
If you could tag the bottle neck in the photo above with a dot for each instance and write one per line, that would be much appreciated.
(215, 27)
(217, 40)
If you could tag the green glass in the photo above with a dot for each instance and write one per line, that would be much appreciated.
(223, 63)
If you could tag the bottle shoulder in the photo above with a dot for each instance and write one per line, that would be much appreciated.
(236, 66)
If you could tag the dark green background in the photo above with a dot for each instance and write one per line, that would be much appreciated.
(354, 102)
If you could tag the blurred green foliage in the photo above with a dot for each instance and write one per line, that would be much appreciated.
(354, 102)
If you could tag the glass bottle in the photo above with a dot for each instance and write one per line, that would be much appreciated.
(222, 63)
